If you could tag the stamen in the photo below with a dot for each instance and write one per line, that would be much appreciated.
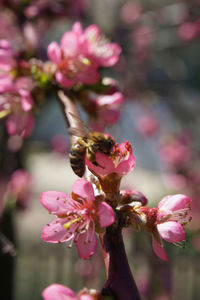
(76, 220)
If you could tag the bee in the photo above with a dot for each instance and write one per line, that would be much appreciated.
(88, 142)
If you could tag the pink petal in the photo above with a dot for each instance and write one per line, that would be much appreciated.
(93, 33)
(114, 99)
(126, 166)
(86, 249)
(174, 202)
(105, 163)
(54, 52)
(110, 60)
(56, 202)
(55, 232)
(109, 116)
(58, 292)
(77, 28)
(84, 189)
(171, 231)
(26, 100)
(70, 43)
(159, 251)
(64, 81)
(106, 214)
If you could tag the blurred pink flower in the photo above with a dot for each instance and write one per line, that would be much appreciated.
(80, 54)
(60, 144)
(165, 222)
(130, 12)
(106, 53)
(147, 125)
(143, 36)
(108, 109)
(76, 217)
(20, 123)
(60, 292)
(176, 152)
(187, 31)
(121, 162)
(19, 186)
(7, 56)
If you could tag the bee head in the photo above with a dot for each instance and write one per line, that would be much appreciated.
(107, 145)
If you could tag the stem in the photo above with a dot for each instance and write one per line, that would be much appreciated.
(68, 106)
(120, 282)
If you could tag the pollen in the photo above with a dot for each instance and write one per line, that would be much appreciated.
(68, 224)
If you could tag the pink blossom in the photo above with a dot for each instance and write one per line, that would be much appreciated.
(143, 36)
(7, 53)
(176, 152)
(130, 12)
(187, 31)
(19, 186)
(121, 162)
(108, 108)
(20, 123)
(6, 83)
(105, 52)
(80, 54)
(76, 217)
(24, 86)
(61, 292)
(165, 222)
(147, 125)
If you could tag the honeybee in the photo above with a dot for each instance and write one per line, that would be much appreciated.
(88, 142)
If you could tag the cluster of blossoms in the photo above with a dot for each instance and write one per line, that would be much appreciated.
(81, 214)
(80, 54)
(16, 101)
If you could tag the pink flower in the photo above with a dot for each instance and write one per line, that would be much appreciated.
(20, 123)
(121, 162)
(107, 54)
(6, 83)
(165, 222)
(76, 217)
(19, 186)
(147, 125)
(187, 31)
(107, 109)
(80, 54)
(61, 292)
(7, 53)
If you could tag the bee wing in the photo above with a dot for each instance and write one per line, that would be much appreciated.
(77, 132)
(81, 122)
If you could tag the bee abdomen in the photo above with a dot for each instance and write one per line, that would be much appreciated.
(77, 159)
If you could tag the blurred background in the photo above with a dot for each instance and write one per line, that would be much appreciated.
(159, 74)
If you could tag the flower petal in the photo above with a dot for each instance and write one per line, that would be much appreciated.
(84, 189)
(171, 231)
(159, 250)
(64, 81)
(174, 202)
(56, 202)
(86, 248)
(55, 232)
(54, 52)
(105, 165)
(58, 292)
(106, 214)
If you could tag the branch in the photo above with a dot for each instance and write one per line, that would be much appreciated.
(68, 106)
(120, 282)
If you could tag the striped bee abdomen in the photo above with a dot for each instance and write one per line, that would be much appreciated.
(77, 158)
